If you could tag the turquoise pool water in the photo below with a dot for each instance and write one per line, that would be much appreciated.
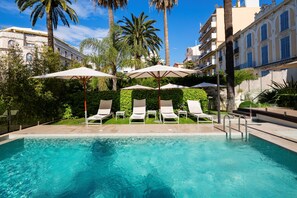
(146, 167)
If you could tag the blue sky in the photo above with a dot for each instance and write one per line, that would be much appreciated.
(183, 21)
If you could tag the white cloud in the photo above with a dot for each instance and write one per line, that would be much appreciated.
(86, 9)
(76, 33)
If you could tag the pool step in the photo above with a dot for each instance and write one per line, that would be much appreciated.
(5, 139)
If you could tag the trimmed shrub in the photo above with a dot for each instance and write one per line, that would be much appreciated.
(123, 99)
(247, 104)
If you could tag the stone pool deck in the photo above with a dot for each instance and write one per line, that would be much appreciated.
(119, 130)
(281, 135)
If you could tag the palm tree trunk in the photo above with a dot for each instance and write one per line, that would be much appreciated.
(114, 80)
(229, 55)
(167, 57)
(50, 32)
(110, 18)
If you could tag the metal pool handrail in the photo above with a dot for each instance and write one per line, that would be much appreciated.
(224, 124)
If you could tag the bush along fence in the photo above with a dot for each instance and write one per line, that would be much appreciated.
(123, 99)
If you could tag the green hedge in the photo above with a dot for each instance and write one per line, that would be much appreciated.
(123, 99)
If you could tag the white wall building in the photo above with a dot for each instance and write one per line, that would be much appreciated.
(193, 53)
(269, 45)
(27, 39)
(212, 33)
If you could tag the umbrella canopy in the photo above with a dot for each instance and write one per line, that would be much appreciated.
(205, 84)
(138, 87)
(160, 71)
(173, 86)
(77, 73)
(81, 73)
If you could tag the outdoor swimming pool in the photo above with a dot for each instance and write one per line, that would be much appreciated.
(146, 167)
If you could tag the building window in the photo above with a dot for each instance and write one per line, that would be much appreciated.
(264, 51)
(29, 57)
(65, 54)
(235, 44)
(249, 40)
(250, 59)
(58, 49)
(264, 32)
(11, 43)
(285, 47)
(71, 56)
(30, 45)
(284, 20)
(264, 73)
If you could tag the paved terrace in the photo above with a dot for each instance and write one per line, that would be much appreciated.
(280, 135)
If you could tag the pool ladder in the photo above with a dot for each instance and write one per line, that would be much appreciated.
(228, 134)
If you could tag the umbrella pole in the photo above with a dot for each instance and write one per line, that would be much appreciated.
(159, 92)
(159, 96)
(85, 99)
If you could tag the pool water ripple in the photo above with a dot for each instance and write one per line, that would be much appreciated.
(146, 167)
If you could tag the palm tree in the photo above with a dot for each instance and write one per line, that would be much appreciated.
(107, 55)
(54, 10)
(140, 34)
(229, 54)
(164, 5)
(111, 5)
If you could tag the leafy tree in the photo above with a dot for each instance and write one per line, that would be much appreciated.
(140, 34)
(243, 75)
(154, 60)
(164, 5)
(54, 10)
(32, 97)
(229, 55)
(13, 71)
(189, 64)
(111, 5)
(108, 54)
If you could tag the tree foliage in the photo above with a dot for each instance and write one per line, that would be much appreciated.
(54, 9)
(140, 34)
(243, 75)
(32, 97)
(108, 54)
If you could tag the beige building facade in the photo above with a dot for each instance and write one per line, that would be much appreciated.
(27, 39)
(192, 54)
(212, 33)
(268, 45)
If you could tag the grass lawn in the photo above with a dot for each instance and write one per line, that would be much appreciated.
(79, 121)
(182, 120)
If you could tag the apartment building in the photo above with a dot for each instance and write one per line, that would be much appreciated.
(268, 45)
(192, 54)
(212, 33)
(27, 39)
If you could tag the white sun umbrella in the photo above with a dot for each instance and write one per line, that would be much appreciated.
(173, 86)
(83, 74)
(160, 71)
(205, 84)
(138, 87)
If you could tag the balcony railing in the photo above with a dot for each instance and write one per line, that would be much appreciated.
(214, 35)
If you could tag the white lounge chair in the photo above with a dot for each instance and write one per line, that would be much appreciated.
(166, 112)
(104, 111)
(195, 110)
(139, 110)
